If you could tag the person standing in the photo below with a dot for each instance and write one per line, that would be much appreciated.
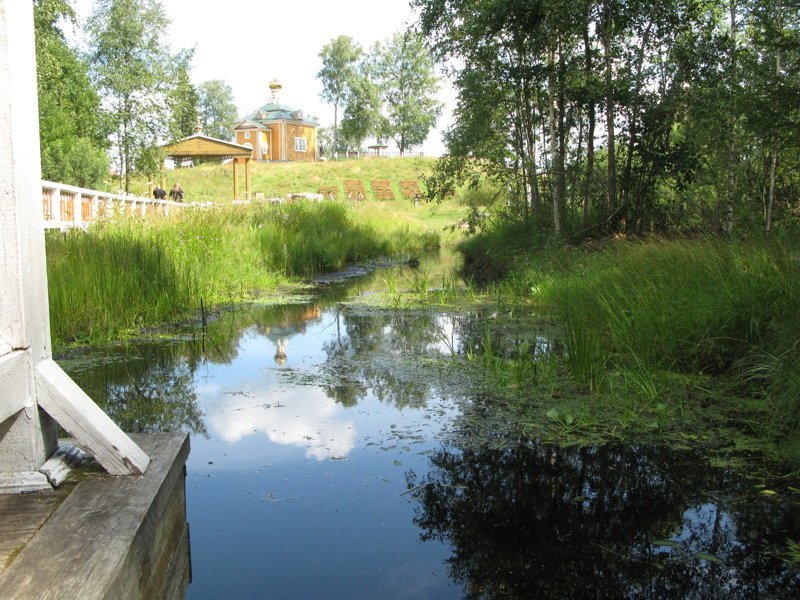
(176, 193)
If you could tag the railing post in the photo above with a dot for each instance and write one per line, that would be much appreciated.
(55, 200)
(77, 209)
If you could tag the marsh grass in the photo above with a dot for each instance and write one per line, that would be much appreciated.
(706, 307)
(125, 275)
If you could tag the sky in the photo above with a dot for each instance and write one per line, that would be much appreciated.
(281, 40)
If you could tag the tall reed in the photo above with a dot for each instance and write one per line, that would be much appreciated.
(134, 273)
(702, 306)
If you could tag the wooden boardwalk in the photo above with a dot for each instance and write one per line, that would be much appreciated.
(21, 516)
(108, 537)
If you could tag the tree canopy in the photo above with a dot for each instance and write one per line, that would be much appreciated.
(72, 135)
(217, 109)
(389, 92)
(340, 59)
(596, 116)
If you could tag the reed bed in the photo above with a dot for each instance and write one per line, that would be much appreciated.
(121, 276)
(699, 307)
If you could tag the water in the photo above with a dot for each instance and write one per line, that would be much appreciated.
(332, 458)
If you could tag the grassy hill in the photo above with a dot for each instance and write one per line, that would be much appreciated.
(214, 182)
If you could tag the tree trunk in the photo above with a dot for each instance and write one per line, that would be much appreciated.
(587, 182)
(732, 126)
(335, 131)
(627, 173)
(561, 176)
(610, 132)
(551, 101)
(774, 150)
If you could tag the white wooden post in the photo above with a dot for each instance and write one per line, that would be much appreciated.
(57, 216)
(77, 209)
(29, 379)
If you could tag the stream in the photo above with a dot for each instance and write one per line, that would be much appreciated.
(334, 455)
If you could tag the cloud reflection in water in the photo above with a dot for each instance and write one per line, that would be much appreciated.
(303, 417)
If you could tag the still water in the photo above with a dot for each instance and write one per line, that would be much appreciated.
(331, 458)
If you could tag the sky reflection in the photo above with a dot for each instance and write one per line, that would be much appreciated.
(298, 416)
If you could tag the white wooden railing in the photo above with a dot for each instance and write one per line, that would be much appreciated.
(66, 206)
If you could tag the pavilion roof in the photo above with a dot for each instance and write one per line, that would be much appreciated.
(203, 146)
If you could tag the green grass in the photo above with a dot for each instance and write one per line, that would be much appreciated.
(721, 319)
(122, 276)
(214, 182)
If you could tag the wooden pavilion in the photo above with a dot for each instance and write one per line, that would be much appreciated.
(203, 146)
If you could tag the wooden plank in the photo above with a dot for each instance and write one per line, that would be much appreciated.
(21, 516)
(97, 543)
(23, 483)
(93, 429)
(15, 381)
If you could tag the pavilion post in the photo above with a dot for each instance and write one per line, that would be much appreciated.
(235, 162)
(247, 178)
(27, 436)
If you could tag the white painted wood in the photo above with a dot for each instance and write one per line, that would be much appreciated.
(92, 429)
(15, 379)
(60, 465)
(26, 438)
(57, 217)
(23, 483)
(30, 378)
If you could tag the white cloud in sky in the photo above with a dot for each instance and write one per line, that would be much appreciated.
(247, 43)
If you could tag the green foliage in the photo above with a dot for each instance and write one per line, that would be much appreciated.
(362, 111)
(694, 307)
(217, 109)
(404, 68)
(340, 60)
(182, 97)
(130, 67)
(128, 274)
(697, 102)
(72, 138)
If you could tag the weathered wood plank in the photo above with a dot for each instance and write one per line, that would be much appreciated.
(23, 483)
(97, 544)
(20, 517)
(15, 380)
(68, 404)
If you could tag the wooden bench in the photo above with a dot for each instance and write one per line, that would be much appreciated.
(354, 189)
(329, 192)
(410, 188)
(382, 188)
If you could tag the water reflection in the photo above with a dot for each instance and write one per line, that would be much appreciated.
(298, 416)
(608, 522)
(147, 388)
(272, 386)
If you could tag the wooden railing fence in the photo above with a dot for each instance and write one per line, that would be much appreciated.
(66, 206)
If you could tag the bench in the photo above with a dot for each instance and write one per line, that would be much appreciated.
(354, 189)
(382, 188)
(329, 192)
